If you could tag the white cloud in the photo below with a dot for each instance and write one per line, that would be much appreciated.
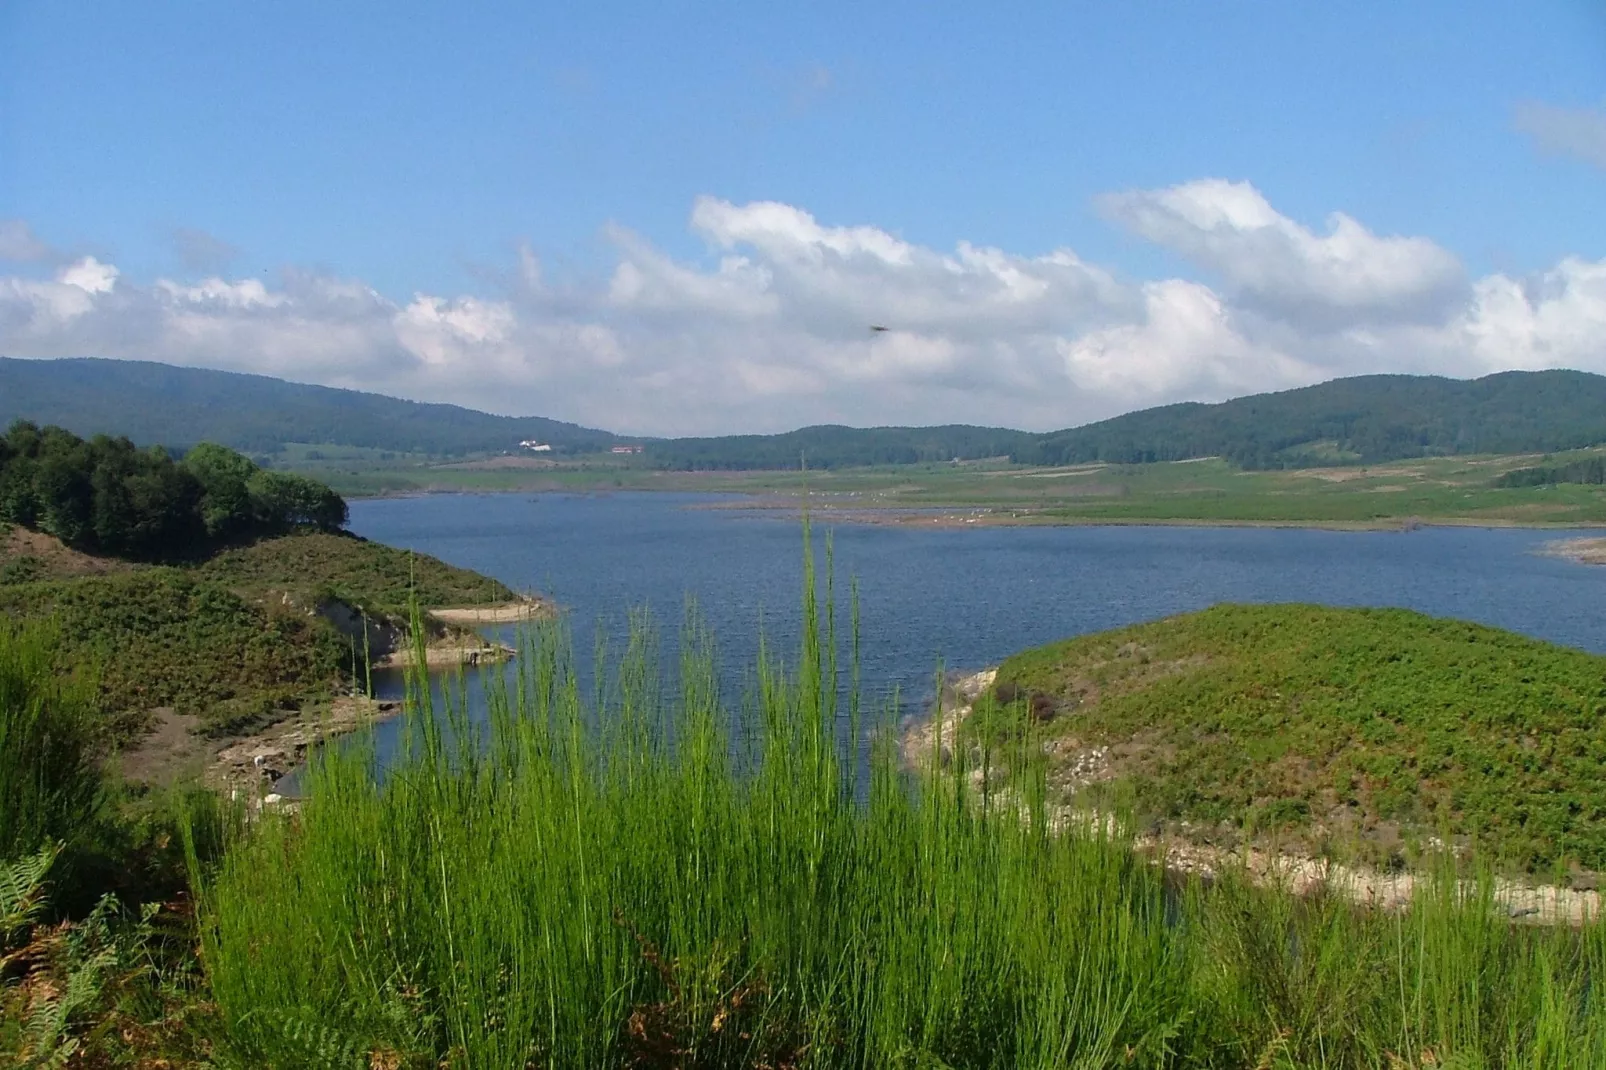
(772, 329)
(1556, 320)
(1187, 344)
(1283, 268)
(1578, 132)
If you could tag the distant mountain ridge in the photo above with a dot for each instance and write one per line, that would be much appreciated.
(1366, 419)
(1362, 420)
(178, 407)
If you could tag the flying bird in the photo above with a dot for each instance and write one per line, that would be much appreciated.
(877, 327)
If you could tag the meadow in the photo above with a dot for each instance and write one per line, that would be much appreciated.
(1463, 489)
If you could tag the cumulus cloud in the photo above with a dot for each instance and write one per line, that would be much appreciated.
(1272, 263)
(771, 329)
(1577, 132)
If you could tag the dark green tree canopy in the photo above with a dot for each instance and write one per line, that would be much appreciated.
(105, 495)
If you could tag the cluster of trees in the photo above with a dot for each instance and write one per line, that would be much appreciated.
(107, 496)
(1588, 470)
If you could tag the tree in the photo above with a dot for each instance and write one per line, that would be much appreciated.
(224, 475)
(281, 500)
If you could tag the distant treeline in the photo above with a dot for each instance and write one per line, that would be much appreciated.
(831, 446)
(1364, 420)
(1590, 470)
(107, 496)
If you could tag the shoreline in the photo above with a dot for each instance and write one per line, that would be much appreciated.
(453, 652)
(261, 759)
(967, 517)
(1589, 550)
(516, 612)
(932, 736)
(960, 516)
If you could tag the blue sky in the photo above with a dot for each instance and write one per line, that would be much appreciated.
(347, 162)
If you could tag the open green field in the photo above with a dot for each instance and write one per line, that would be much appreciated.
(1439, 490)
(1330, 728)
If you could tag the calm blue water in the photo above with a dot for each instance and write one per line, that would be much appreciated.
(964, 599)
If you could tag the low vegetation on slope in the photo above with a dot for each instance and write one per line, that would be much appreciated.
(1372, 724)
(163, 637)
(313, 567)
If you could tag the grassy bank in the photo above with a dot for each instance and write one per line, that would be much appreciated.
(238, 640)
(1376, 727)
(1446, 490)
(165, 638)
(383, 580)
(623, 882)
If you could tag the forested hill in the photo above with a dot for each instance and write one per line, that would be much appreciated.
(178, 407)
(1362, 420)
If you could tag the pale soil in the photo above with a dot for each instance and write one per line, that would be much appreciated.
(525, 609)
(446, 653)
(172, 750)
(1584, 551)
(261, 759)
(1297, 873)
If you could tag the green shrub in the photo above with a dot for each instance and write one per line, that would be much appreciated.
(167, 637)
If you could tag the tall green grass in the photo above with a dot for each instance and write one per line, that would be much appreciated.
(50, 780)
(616, 878)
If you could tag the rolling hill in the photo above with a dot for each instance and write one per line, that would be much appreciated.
(1320, 723)
(1363, 420)
(178, 407)
(1368, 419)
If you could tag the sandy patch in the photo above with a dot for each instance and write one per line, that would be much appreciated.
(509, 613)
(172, 750)
(447, 653)
(1590, 551)
(260, 760)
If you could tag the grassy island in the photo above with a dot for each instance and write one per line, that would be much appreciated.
(1376, 726)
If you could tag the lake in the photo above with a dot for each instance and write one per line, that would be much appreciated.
(964, 599)
(956, 599)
